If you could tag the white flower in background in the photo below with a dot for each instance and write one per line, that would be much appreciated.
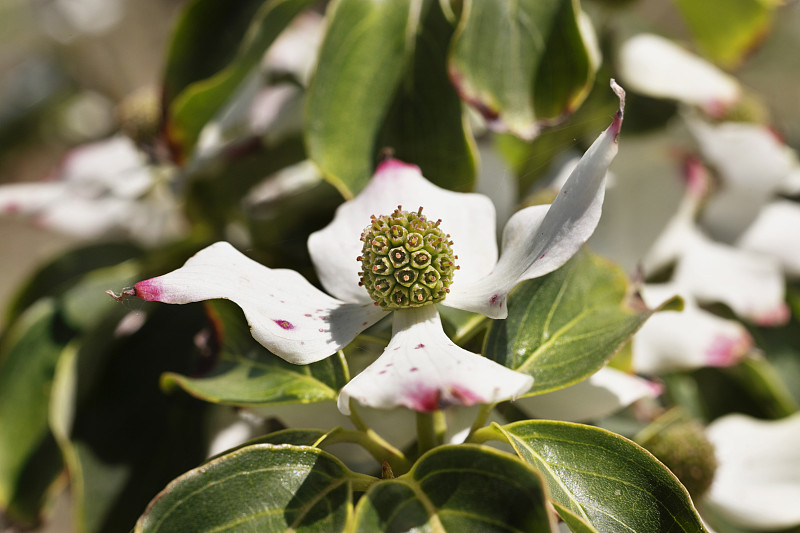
(753, 166)
(657, 67)
(672, 341)
(102, 189)
(406, 264)
(757, 481)
(776, 232)
(751, 284)
(602, 394)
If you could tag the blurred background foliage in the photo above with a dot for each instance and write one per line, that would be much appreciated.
(78, 71)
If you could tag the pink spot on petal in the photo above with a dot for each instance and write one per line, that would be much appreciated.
(727, 351)
(285, 324)
(394, 165)
(418, 346)
(382, 372)
(465, 396)
(308, 315)
(413, 369)
(149, 290)
(542, 256)
(424, 401)
(321, 330)
(776, 317)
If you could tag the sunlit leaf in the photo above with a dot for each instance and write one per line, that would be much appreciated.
(245, 373)
(261, 488)
(361, 60)
(603, 479)
(522, 63)
(564, 326)
(455, 489)
(727, 30)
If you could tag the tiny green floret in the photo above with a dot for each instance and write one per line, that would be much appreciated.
(406, 260)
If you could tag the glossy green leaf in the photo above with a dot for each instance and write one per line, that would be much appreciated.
(362, 59)
(457, 489)
(246, 373)
(262, 488)
(563, 327)
(122, 438)
(573, 521)
(521, 63)
(425, 123)
(727, 30)
(602, 478)
(197, 88)
(29, 459)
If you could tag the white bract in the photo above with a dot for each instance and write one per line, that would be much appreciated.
(750, 283)
(103, 189)
(421, 368)
(757, 481)
(657, 67)
(672, 341)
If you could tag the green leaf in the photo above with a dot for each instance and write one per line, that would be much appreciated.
(121, 437)
(425, 123)
(55, 276)
(602, 478)
(727, 30)
(563, 327)
(456, 489)
(195, 88)
(362, 59)
(575, 524)
(86, 302)
(521, 63)
(261, 488)
(197, 48)
(29, 459)
(246, 373)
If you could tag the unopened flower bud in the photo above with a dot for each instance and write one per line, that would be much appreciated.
(684, 448)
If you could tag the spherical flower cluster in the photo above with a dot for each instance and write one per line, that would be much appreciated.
(407, 260)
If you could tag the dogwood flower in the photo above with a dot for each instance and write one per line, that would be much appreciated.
(102, 189)
(406, 264)
(750, 283)
(672, 341)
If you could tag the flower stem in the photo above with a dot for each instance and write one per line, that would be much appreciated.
(431, 428)
(480, 420)
(376, 445)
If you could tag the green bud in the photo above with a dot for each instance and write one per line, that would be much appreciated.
(684, 448)
(406, 260)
